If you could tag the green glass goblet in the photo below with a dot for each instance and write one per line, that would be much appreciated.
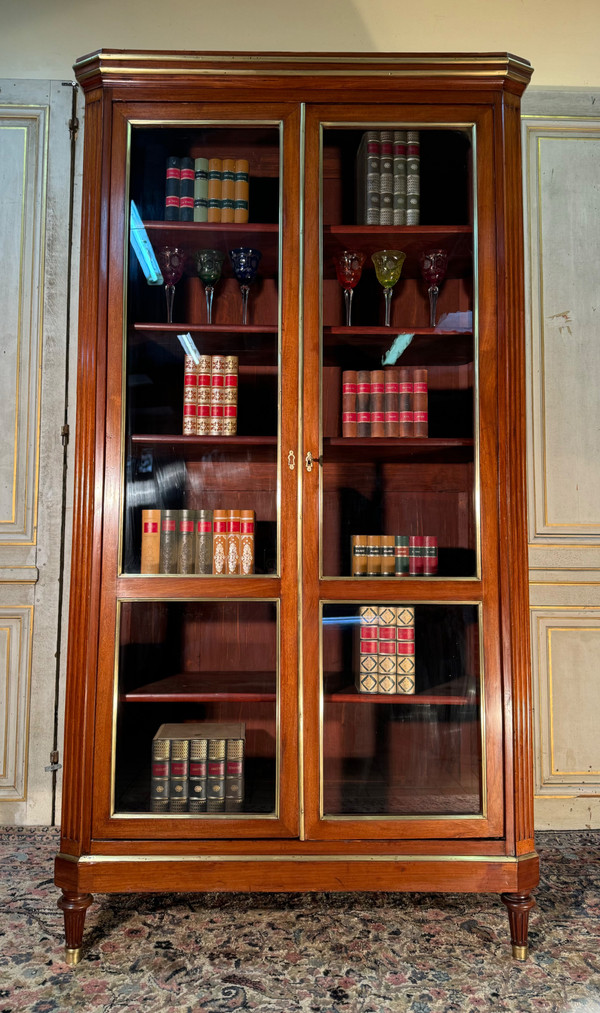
(388, 267)
(208, 265)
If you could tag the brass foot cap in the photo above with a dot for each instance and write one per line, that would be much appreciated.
(72, 956)
(520, 952)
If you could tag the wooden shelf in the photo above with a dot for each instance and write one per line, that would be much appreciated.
(339, 448)
(192, 236)
(193, 448)
(351, 695)
(199, 687)
(429, 346)
(255, 344)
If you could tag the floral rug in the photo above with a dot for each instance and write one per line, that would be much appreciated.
(301, 953)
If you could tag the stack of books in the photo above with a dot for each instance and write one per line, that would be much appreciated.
(210, 395)
(388, 173)
(198, 767)
(207, 190)
(386, 649)
(385, 402)
(198, 541)
(394, 555)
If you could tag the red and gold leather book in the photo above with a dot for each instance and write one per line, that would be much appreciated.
(215, 168)
(186, 190)
(233, 541)
(246, 542)
(377, 403)
(363, 403)
(172, 186)
(420, 399)
(368, 649)
(150, 559)
(230, 395)
(204, 380)
(241, 191)
(415, 555)
(198, 774)
(190, 381)
(228, 190)
(430, 555)
(391, 399)
(405, 401)
(405, 650)
(217, 394)
(349, 402)
(386, 658)
(220, 542)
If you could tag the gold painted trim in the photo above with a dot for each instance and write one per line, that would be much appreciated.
(396, 858)
(565, 608)
(300, 482)
(314, 58)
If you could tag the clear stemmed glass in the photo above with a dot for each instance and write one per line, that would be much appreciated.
(388, 267)
(348, 267)
(208, 265)
(171, 261)
(433, 268)
(245, 262)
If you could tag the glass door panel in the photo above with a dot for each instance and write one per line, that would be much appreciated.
(398, 353)
(402, 705)
(197, 728)
(202, 350)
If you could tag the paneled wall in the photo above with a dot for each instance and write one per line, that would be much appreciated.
(561, 152)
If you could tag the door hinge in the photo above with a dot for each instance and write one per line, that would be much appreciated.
(65, 432)
(73, 128)
(54, 764)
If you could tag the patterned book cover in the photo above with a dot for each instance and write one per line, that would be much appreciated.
(399, 151)
(233, 542)
(401, 555)
(201, 190)
(215, 779)
(234, 775)
(368, 649)
(203, 544)
(349, 402)
(186, 530)
(386, 658)
(186, 190)
(230, 395)
(363, 402)
(373, 556)
(246, 542)
(376, 403)
(169, 520)
(204, 380)
(415, 555)
(386, 179)
(215, 167)
(358, 553)
(179, 773)
(150, 560)
(413, 177)
(367, 179)
(405, 401)
(217, 393)
(391, 402)
(420, 403)
(388, 567)
(228, 190)
(159, 777)
(220, 542)
(198, 774)
(430, 555)
(241, 203)
(172, 186)
(405, 650)
(190, 395)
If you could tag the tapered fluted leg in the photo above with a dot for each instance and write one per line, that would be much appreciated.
(519, 905)
(74, 907)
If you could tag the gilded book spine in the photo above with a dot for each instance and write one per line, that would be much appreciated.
(391, 393)
(413, 177)
(233, 542)
(186, 190)
(430, 555)
(415, 555)
(374, 555)
(190, 395)
(241, 193)
(399, 177)
(387, 555)
(220, 542)
(386, 656)
(368, 649)
(159, 783)
(246, 542)
(228, 190)
(349, 402)
(367, 179)
(201, 190)
(234, 775)
(217, 390)
(150, 561)
(401, 555)
(204, 392)
(168, 541)
(173, 182)
(420, 406)
(198, 775)
(386, 179)
(377, 403)
(204, 542)
(405, 650)
(230, 395)
(363, 406)
(215, 167)
(179, 776)
(405, 396)
(359, 555)
(185, 541)
(215, 781)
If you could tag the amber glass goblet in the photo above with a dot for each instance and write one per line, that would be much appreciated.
(171, 260)
(348, 268)
(388, 267)
(208, 265)
(434, 264)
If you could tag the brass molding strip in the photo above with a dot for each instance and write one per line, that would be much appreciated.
(397, 859)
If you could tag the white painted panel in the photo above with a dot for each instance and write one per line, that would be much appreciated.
(15, 668)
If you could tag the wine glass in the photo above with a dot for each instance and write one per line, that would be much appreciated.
(433, 268)
(348, 267)
(208, 265)
(245, 262)
(171, 260)
(388, 267)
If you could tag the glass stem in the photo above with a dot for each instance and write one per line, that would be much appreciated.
(170, 294)
(209, 300)
(433, 292)
(348, 293)
(387, 294)
(245, 291)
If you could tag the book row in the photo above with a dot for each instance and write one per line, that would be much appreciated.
(207, 190)
(386, 649)
(198, 767)
(394, 555)
(388, 178)
(210, 395)
(198, 541)
(385, 402)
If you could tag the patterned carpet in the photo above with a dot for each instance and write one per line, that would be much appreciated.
(293, 953)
